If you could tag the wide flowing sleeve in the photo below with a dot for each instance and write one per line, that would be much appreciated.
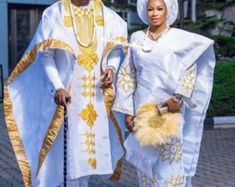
(195, 83)
(31, 114)
(114, 59)
(118, 36)
(115, 40)
(190, 52)
(194, 116)
(126, 85)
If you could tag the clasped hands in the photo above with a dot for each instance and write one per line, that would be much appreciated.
(62, 97)
(173, 104)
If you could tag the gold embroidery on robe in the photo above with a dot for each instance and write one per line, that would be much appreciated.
(126, 78)
(178, 181)
(88, 60)
(68, 21)
(88, 86)
(100, 20)
(172, 152)
(148, 181)
(89, 115)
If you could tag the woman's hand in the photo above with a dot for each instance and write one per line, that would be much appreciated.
(107, 78)
(62, 97)
(173, 104)
(129, 122)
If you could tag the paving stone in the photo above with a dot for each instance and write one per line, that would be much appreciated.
(216, 166)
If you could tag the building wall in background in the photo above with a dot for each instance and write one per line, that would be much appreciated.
(18, 20)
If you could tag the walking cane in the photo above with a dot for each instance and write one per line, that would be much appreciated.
(65, 145)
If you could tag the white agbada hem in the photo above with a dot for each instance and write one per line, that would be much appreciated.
(34, 121)
(181, 62)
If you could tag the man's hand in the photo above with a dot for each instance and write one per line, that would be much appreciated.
(107, 78)
(62, 97)
(129, 122)
(173, 104)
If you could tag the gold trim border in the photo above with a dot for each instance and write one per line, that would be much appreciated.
(16, 140)
(108, 100)
(119, 40)
(51, 135)
(109, 97)
(13, 131)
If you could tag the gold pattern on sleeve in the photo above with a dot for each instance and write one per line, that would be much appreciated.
(178, 181)
(187, 82)
(126, 78)
(172, 152)
(123, 109)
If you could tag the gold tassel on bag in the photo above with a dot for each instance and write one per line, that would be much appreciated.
(152, 128)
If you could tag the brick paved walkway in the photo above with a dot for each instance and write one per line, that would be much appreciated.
(216, 164)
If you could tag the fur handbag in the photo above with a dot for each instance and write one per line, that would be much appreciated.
(152, 127)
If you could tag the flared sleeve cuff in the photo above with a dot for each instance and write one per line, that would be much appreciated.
(126, 85)
(187, 82)
(123, 109)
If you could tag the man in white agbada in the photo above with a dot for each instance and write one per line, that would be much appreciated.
(75, 51)
(172, 68)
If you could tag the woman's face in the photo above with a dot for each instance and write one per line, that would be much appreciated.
(156, 12)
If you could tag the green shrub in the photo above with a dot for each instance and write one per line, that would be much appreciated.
(223, 96)
(204, 23)
(224, 46)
